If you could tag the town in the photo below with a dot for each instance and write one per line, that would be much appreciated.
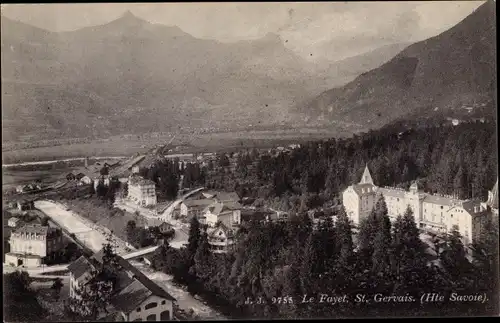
(271, 161)
(150, 211)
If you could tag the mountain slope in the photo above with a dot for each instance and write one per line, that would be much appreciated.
(132, 76)
(439, 76)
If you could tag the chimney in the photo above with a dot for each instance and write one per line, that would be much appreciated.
(86, 162)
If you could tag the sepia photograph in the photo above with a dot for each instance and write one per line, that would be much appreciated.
(191, 161)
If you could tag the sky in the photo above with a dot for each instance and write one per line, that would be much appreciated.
(326, 29)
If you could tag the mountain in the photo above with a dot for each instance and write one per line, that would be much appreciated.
(449, 75)
(132, 76)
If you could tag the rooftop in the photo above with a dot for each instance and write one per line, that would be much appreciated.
(132, 286)
(138, 180)
(36, 229)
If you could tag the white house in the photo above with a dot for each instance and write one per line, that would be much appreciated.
(13, 222)
(220, 239)
(228, 213)
(134, 298)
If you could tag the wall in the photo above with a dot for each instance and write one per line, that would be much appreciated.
(351, 204)
(144, 313)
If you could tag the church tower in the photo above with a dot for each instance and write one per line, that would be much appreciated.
(367, 177)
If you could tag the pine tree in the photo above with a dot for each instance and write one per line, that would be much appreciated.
(194, 237)
(454, 257)
(202, 259)
(459, 183)
(309, 262)
(381, 247)
(344, 239)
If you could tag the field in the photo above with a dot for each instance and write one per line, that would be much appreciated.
(12, 178)
(187, 143)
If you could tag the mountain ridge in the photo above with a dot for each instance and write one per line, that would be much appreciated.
(91, 81)
(444, 75)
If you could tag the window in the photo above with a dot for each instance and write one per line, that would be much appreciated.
(138, 309)
(151, 317)
(165, 316)
(163, 302)
(150, 305)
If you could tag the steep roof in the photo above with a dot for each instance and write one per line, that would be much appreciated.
(127, 295)
(138, 180)
(37, 229)
(80, 266)
(364, 189)
(440, 200)
(221, 226)
(392, 192)
(194, 203)
(367, 177)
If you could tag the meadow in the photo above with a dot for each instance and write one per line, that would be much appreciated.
(128, 145)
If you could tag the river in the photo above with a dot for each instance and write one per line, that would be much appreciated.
(48, 162)
(184, 299)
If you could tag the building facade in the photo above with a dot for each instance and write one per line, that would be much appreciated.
(31, 245)
(436, 213)
(141, 191)
(228, 213)
(221, 239)
(191, 208)
(134, 296)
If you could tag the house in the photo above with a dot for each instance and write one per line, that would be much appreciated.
(165, 227)
(134, 296)
(190, 208)
(141, 191)
(228, 213)
(33, 244)
(277, 216)
(86, 180)
(220, 239)
(13, 222)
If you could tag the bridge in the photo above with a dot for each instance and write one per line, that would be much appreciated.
(42, 271)
(140, 252)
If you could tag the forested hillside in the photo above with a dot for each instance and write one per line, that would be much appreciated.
(275, 264)
(460, 160)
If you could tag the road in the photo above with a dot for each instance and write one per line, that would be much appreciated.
(91, 235)
(74, 223)
(167, 214)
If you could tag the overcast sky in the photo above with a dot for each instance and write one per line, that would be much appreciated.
(327, 29)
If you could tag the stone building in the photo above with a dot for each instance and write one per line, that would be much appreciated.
(436, 213)
(32, 245)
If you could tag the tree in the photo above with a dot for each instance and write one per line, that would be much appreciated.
(131, 231)
(44, 221)
(453, 256)
(101, 190)
(93, 297)
(56, 287)
(194, 237)
(344, 239)
(382, 241)
(202, 259)
(20, 302)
